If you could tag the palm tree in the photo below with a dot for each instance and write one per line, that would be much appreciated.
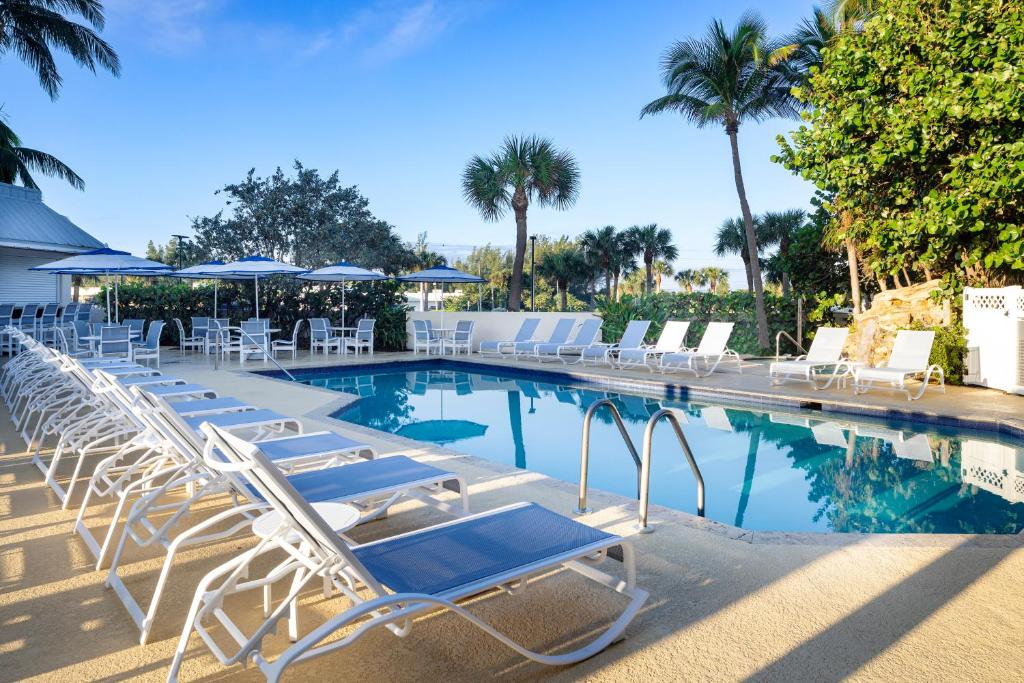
(714, 278)
(563, 267)
(731, 238)
(30, 28)
(601, 248)
(524, 170)
(624, 261)
(425, 258)
(727, 78)
(687, 279)
(17, 163)
(778, 228)
(651, 242)
(661, 269)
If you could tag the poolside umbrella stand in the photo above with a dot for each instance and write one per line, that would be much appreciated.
(342, 272)
(442, 275)
(106, 262)
(256, 267)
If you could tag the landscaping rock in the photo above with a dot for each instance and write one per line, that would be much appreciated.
(873, 331)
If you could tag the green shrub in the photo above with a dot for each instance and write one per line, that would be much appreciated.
(283, 301)
(700, 308)
(949, 351)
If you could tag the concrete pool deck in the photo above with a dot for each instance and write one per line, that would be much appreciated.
(725, 604)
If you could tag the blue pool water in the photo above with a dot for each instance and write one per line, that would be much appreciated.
(764, 469)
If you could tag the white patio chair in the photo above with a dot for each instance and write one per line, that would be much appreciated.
(632, 340)
(826, 351)
(462, 337)
(362, 340)
(671, 340)
(151, 347)
(115, 341)
(422, 339)
(586, 335)
(908, 359)
(288, 344)
(494, 347)
(559, 335)
(320, 336)
(387, 581)
(186, 342)
(711, 351)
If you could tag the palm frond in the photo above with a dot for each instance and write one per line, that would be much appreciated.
(47, 164)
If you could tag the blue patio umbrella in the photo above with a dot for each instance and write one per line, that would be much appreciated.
(443, 275)
(442, 431)
(106, 262)
(343, 272)
(257, 267)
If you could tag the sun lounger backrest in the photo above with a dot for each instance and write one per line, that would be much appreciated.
(249, 461)
(911, 350)
(633, 337)
(715, 338)
(827, 346)
(527, 329)
(672, 336)
(563, 328)
(587, 333)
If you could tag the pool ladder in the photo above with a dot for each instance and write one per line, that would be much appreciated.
(643, 462)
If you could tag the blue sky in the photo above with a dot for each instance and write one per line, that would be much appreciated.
(398, 95)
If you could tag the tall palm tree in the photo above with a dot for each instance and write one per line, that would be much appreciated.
(523, 170)
(731, 238)
(600, 248)
(651, 243)
(687, 279)
(726, 79)
(623, 262)
(17, 163)
(778, 228)
(661, 269)
(31, 28)
(563, 267)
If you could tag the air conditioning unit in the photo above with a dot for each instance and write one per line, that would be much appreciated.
(994, 318)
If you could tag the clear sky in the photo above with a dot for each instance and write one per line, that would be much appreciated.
(398, 95)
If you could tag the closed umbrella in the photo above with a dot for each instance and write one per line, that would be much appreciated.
(258, 267)
(343, 272)
(106, 262)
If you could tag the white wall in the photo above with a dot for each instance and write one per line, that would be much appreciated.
(499, 326)
(19, 285)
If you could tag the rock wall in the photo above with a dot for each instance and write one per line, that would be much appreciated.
(873, 331)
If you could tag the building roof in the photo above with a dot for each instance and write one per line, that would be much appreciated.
(27, 223)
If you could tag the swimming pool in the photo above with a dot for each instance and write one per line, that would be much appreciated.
(764, 469)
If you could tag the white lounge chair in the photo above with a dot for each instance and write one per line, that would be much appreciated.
(632, 340)
(908, 359)
(826, 352)
(494, 347)
(671, 340)
(388, 582)
(711, 351)
(559, 335)
(586, 335)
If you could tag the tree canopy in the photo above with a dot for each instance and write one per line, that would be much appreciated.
(915, 129)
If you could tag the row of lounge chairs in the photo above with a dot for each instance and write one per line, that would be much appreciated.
(908, 360)
(164, 445)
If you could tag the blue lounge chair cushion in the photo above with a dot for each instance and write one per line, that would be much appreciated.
(633, 356)
(178, 389)
(229, 420)
(205, 405)
(309, 445)
(361, 478)
(150, 379)
(436, 560)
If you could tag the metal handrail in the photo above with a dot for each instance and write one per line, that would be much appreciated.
(581, 507)
(645, 468)
(778, 338)
(262, 347)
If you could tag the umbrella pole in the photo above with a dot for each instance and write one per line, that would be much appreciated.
(214, 298)
(108, 298)
(256, 279)
(117, 300)
(343, 305)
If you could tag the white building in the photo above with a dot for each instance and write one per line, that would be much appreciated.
(31, 234)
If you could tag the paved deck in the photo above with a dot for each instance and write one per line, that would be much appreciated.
(724, 605)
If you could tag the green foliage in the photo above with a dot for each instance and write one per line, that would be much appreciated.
(949, 351)
(813, 268)
(821, 305)
(700, 308)
(17, 163)
(308, 220)
(283, 301)
(916, 128)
